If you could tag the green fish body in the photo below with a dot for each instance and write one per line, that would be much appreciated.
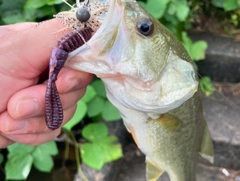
(150, 78)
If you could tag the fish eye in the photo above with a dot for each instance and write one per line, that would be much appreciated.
(83, 14)
(145, 26)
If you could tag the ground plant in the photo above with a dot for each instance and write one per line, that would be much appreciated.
(98, 146)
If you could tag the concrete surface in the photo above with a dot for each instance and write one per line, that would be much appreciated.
(222, 112)
(222, 62)
(134, 170)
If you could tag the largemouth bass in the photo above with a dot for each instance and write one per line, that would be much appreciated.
(150, 78)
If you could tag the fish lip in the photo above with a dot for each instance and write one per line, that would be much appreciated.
(155, 108)
(115, 5)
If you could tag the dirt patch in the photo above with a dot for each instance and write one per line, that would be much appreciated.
(206, 17)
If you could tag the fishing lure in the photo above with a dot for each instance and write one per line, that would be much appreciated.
(83, 20)
(70, 42)
(86, 14)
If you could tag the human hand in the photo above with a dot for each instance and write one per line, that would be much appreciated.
(25, 51)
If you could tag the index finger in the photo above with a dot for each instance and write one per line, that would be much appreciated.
(33, 43)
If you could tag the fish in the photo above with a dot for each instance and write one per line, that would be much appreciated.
(150, 78)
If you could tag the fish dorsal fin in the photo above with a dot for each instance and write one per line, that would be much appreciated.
(206, 149)
(152, 171)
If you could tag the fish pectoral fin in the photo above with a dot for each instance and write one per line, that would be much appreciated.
(169, 122)
(152, 171)
(206, 151)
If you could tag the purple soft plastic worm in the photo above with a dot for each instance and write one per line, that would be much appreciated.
(67, 44)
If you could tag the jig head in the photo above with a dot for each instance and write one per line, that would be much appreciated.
(85, 14)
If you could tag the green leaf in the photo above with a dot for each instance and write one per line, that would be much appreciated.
(19, 147)
(238, 2)
(182, 12)
(35, 3)
(187, 42)
(109, 140)
(96, 155)
(44, 11)
(18, 166)
(42, 156)
(103, 148)
(30, 14)
(1, 158)
(92, 155)
(13, 16)
(171, 8)
(52, 2)
(78, 116)
(90, 94)
(110, 113)
(198, 50)
(95, 132)
(99, 87)
(142, 3)
(230, 5)
(218, 3)
(195, 50)
(6, 4)
(49, 148)
(43, 162)
(111, 150)
(206, 85)
(179, 8)
(156, 7)
(95, 106)
(172, 20)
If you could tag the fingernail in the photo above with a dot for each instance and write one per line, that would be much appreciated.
(17, 125)
(26, 108)
(74, 84)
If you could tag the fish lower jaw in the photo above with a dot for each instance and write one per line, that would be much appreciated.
(153, 115)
